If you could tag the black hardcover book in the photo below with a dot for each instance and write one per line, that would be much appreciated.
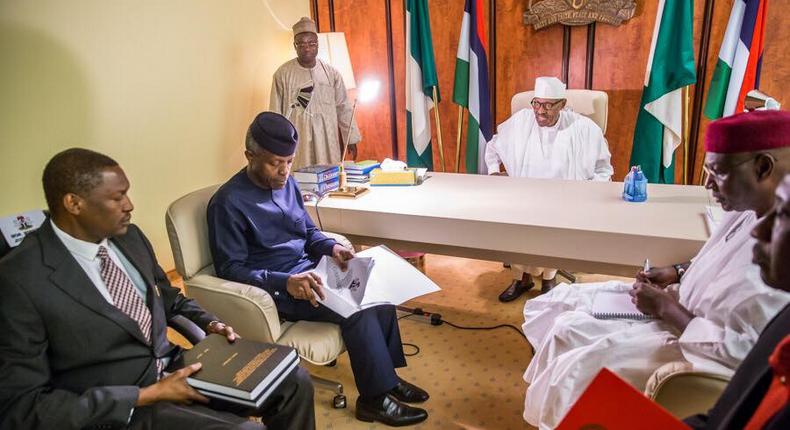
(243, 370)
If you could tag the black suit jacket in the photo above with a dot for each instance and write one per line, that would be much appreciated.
(68, 358)
(748, 386)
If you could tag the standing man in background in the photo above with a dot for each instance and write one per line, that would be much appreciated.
(552, 143)
(312, 95)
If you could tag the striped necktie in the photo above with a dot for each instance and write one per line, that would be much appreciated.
(124, 294)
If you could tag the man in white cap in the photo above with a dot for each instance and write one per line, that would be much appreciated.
(312, 95)
(547, 142)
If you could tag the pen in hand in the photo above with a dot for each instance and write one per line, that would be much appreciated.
(646, 268)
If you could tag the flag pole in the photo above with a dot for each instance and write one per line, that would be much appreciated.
(685, 137)
(438, 126)
(458, 138)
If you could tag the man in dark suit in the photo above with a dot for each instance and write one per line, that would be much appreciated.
(261, 235)
(83, 313)
(748, 388)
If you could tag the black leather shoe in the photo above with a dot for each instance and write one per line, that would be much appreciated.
(388, 410)
(546, 285)
(515, 290)
(410, 393)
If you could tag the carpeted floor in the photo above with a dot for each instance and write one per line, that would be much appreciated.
(474, 376)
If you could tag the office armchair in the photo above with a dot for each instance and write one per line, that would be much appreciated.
(683, 391)
(249, 309)
(590, 103)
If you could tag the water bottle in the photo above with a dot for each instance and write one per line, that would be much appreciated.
(635, 185)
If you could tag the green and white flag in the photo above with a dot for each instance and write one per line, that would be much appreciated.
(670, 67)
(420, 79)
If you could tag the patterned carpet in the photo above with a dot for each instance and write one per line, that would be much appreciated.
(474, 376)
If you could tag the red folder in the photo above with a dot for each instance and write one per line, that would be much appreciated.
(609, 403)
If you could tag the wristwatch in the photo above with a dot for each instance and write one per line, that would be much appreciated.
(212, 324)
(680, 269)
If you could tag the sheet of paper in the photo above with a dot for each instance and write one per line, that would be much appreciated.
(374, 277)
(393, 279)
(344, 290)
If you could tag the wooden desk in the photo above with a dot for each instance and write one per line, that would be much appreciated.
(574, 225)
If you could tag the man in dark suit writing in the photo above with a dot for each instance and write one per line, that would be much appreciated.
(83, 313)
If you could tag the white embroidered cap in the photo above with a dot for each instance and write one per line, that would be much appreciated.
(549, 87)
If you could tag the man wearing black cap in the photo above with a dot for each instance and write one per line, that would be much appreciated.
(261, 235)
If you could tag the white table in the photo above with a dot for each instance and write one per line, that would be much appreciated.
(573, 225)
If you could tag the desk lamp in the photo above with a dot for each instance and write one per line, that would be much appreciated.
(367, 92)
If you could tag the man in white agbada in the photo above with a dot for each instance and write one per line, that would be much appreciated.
(312, 95)
(711, 319)
(547, 142)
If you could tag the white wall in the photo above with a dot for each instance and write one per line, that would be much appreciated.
(167, 88)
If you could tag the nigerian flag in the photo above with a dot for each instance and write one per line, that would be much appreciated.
(471, 85)
(740, 57)
(670, 67)
(420, 80)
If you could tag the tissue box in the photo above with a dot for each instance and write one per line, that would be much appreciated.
(380, 177)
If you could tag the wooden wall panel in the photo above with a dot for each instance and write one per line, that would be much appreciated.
(398, 16)
(323, 15)
(367, 46)
(620, 58)
(522, 54)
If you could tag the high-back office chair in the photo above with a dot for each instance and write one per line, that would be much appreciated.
(590, 103)
(249, 309)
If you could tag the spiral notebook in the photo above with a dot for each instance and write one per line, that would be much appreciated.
(609, 305)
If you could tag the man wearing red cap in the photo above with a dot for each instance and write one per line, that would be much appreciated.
(710, 318)
(757, 396)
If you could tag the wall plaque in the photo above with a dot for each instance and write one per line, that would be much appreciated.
(542, 13)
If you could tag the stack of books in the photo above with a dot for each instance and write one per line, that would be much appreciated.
(319, 179)
(244, 372)
(359, 172)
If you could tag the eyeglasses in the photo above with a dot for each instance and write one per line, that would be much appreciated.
(545, 105)
(722, 176)
(306, 44)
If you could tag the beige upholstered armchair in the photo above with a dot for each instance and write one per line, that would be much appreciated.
(683, 391)
(249, 309)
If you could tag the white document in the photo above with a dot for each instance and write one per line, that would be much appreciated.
(376, 276)
(17, 226)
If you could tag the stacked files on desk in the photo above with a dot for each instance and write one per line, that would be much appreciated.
(376, 276)
(319, 179)
(359, 172)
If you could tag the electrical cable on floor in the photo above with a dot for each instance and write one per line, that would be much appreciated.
(416, 349)
(436, 319)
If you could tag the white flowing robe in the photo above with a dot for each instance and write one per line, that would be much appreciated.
(574, 148)
(722, 288)
(317, 124)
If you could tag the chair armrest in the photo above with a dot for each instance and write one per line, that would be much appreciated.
(683, 391)
(185, 327)
(248, 309)
(339, 238)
